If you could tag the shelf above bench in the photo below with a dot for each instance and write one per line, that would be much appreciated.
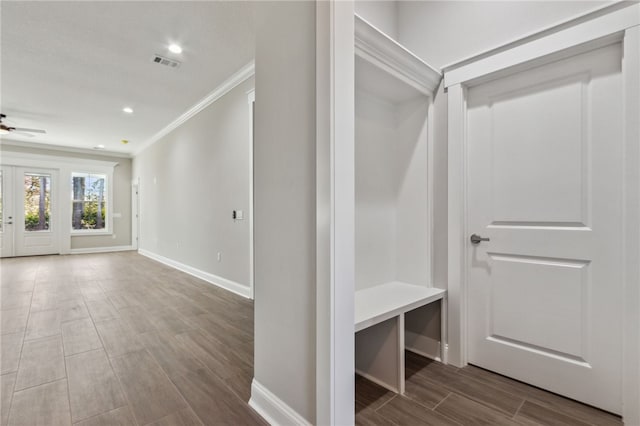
(376, 304)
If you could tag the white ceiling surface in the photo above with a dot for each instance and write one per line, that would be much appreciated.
(70, 67)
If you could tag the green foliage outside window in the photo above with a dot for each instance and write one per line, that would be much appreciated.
(32, 221)
(90, 215)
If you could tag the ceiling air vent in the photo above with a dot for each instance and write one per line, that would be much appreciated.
(161, 60)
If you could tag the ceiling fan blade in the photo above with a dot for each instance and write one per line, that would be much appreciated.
(18, 132)
(20, 129)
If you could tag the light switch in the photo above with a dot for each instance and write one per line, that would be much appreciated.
(238, 215)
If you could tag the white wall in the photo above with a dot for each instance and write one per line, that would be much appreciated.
(391, 187)
(190, 182)
(382, 14)
(412, 199)
(376, 192)
(285, 204)
(442, 32)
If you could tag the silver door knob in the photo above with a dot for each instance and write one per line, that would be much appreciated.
(476, 239)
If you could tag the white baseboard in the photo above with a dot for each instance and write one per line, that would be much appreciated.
(275, 411)
(101, 249)
(423, 345)
(232, 286)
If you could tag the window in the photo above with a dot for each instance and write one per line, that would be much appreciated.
(89, 195)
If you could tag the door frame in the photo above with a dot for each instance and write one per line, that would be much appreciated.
(54, 230)
(335, 212)
(13, 196)
(614, 23)
(251, 99)
(135, 213)
(8, 215)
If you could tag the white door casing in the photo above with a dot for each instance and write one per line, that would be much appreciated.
(31, 243)
(135, 213)
(545, 185)
(17, 240)
(8, 215)
(618, 23)
(251, 100)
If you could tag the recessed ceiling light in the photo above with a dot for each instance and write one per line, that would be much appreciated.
(174, 48)
(99, 146)
(128, 110)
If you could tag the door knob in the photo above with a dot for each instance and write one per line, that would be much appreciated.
(476, 239)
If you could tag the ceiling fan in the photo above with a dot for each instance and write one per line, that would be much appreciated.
(5, 130)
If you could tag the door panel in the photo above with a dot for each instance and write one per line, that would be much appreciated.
(545, 185)
(544, 308)
(526, 131)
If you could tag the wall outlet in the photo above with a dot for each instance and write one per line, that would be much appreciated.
(113, 236)
(219, 257)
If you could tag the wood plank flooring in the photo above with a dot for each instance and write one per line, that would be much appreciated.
(438, 394)
(118, 339)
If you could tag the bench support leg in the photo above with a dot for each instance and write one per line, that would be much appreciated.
(380, 353)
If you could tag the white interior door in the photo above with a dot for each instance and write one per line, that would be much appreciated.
(29, 212)
(545, 186)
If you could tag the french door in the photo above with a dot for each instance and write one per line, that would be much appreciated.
(28, 216)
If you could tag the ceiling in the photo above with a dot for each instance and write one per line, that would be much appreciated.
(71, 67)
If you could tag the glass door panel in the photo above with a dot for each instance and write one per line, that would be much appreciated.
(37, 202)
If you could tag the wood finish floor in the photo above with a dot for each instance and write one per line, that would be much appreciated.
(118, 339)
(443, 395)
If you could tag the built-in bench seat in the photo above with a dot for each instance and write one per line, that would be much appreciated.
(379, 326)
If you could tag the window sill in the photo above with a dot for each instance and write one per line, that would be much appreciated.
(90, 233)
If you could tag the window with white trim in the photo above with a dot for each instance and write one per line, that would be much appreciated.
(90, 203)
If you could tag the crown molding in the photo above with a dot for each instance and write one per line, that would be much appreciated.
(376, 47)
(602, 30)
(539, 33)
(61, 148)
(229, 84)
